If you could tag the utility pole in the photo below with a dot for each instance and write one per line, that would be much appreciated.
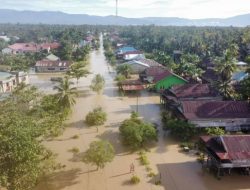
(116, 10)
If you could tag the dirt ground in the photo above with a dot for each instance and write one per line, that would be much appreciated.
(177, 170)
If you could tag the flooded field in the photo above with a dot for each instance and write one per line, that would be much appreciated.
(177, 171)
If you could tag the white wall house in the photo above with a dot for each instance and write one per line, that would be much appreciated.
(8, 81)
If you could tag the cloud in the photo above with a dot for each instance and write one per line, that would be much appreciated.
(137, 8)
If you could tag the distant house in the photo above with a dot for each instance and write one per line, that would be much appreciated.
(19, 48)
(209, 76)
(9, 80)
(47, 66)
(125, 49)
(241, 64)
(52, 57)
(228, 152)
(133, 55)
(141, 64)
(161, 78)
(132, 85)
(174, 96)
(5, 38)
(232, 115)
(239, 76)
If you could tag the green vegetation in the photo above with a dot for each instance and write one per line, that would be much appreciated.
(136, 133)
(97, 84)
(75, 137)
(124, 70)
(135, 179)
(96, 117)
(77, 71)
(181, 129)
(99, 153)
(215, 131)
(28, 117)
(120, 78)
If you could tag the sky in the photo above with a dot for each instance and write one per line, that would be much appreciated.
(194, 9)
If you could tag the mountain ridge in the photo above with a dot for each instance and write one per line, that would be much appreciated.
(58, 17)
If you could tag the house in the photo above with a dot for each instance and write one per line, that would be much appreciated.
(161, 78)
(5, 38)
(133, 55)
(52, 57)
(132, 85)
(227, 153)
(19, 48)
(124, 49)
(175, 95)
(210, 76)
(141, 64)
(9, 80)
(239, 76)
(241, 64)
(231, 115)
(48, 66)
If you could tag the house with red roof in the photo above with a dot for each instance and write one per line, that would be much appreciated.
(227, 153)
(173, 96)
(231, 115)
(19, 48)
(161, 78)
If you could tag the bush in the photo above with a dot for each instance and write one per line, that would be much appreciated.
(215, 131)
(96, 117)
(148, 169)
(74, 150)
(135, 179)
(136, 133)
(190, 145)
(151, 174)
(144, 160)
(75, 137)
(158, 182)
(201, 158)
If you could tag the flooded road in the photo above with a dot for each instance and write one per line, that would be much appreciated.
(178, 171)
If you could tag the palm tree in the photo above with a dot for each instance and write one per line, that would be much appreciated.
(77, 71)
(225, 88)
(65, 93)
(124, 69)
(226, 65)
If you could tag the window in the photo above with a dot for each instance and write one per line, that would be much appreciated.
(51, 69)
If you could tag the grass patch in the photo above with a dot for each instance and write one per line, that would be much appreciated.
(151, 174)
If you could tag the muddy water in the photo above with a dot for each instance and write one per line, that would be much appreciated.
(178, 171)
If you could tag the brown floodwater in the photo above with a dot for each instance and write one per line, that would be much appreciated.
(176, 170)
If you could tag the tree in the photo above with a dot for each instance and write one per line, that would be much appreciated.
(245, 88)
(96, 117)
(215, 131)
(23, 160)
(65, 93)
(136, 133)
(181, 129)
(97, 84)
(120, 78)
(77, 71)
(99, 153)
(124, 69)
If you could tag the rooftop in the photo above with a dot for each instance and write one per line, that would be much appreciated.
(215, 109)
(5, 75)
(193, 90)
(234, 147)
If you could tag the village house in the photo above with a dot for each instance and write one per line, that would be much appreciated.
(20, 48)
(227, 153)
(231, 115)
(9, 80)
(125, 49)
(173, 96)
(133, 55)
(48, 66)
(160, 78)
(141, 64)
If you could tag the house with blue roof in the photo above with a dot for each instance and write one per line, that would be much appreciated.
(125, 49)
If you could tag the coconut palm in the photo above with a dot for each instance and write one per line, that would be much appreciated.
(65, 93)
(124, 69)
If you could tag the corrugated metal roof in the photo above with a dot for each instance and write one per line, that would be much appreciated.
(215, 109)
(193, 90)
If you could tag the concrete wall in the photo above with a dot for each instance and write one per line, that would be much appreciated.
(50, 69)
